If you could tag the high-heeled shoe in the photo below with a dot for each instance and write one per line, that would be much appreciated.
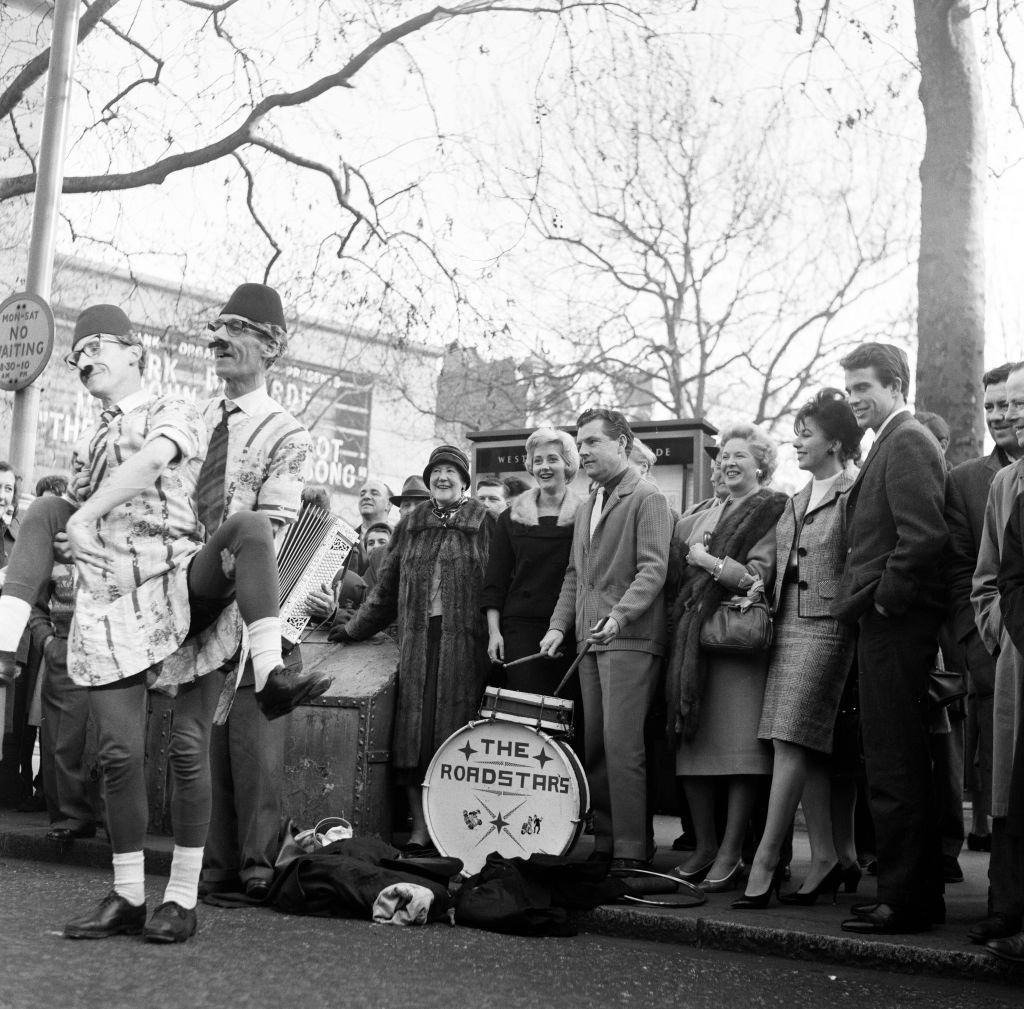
(730, 881)
(829, 884)
(850, 878)
(694, 876)
(759, 901)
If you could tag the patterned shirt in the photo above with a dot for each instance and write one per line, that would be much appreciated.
(267, 454)
(136, 613)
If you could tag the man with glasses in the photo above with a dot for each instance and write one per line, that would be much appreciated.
(146, 584)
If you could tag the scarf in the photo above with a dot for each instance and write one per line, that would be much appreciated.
(699, 596)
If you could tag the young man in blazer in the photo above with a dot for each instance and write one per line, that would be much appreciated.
(892, 589)
(616, 574)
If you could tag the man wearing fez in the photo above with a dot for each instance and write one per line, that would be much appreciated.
(893, 589)
(613, 594)
(146, 583)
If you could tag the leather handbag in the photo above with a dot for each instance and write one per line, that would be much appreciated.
(740, 626)
(945, 686)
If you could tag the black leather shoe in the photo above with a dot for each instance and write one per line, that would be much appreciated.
(65, 835)
(257, 888)
(287, 688)
(170, 923)
(625, 865)
(886, 920)
(979, 842)
(111, 916)
(995, 926)
(8, 669)
(1011, 948)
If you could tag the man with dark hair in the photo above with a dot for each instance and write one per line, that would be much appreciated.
(966, 499)
(613, 595)
(892, 588)
(1001, 930)
(492, 494)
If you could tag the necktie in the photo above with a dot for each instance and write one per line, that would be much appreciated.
(595, 515)
(210, 486)
(98, 447)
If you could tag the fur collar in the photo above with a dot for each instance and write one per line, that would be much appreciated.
(469, 517)
(524, 507)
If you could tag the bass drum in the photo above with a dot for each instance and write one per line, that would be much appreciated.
(499, 786)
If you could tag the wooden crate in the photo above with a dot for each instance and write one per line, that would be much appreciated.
(338, 752)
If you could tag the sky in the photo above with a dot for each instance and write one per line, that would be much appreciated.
(472, 120)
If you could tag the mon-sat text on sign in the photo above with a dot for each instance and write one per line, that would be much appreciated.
(26, 340)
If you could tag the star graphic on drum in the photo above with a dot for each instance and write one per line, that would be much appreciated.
(467, 750)
(543, 757)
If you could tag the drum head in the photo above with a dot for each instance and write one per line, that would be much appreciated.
(499, 786)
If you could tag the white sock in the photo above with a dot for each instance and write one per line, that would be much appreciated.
(14, 614)
(130, 876)
(264, 647)
(183, 886)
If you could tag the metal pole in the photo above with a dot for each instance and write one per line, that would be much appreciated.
(49, 181)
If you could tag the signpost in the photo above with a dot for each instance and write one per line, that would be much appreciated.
(26, 340)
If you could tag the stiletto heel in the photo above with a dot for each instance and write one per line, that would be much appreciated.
(851, 878)
(730, 881)
(829, 884)
(759, 901)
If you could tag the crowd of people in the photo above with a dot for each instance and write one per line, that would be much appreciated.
(859, 599)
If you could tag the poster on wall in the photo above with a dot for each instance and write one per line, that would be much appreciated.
(333, 404)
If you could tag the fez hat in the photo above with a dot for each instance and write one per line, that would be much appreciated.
(453, 457)
(414, 489)
(108, 319)
(257, 303)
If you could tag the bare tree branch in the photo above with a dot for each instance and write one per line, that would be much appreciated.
(105, 113)
(250, 185)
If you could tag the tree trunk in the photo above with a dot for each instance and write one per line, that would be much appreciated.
(951, 268)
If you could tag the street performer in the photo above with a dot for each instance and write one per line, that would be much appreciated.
(147, 582)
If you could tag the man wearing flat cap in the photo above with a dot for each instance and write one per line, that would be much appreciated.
(150, 577)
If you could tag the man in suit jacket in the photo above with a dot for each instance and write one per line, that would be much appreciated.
(892, 588)
(967, 495)
(616, 574)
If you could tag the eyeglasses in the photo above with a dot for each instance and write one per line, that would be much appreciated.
(90, 349)
(236, 327)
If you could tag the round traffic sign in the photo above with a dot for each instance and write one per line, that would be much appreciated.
(26, 340)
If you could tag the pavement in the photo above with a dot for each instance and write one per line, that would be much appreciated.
(802, 933)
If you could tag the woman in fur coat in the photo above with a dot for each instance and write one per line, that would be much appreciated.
(430, 582)
(529, 555)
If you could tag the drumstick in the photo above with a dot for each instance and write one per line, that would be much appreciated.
(576, 664)
(525, 658)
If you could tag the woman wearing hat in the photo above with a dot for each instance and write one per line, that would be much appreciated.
(430, 582)
(529, 555)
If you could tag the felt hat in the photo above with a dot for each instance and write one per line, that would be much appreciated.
(453, 457)
(107, 319)
(257, 303)
(414, 489)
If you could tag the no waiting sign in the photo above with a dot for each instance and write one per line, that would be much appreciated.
(26, 340)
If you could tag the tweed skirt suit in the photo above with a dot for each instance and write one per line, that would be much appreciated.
(813, 652)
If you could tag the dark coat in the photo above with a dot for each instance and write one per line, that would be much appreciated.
(895, 526)
(528, 560)
(966, 498)
(459, 544)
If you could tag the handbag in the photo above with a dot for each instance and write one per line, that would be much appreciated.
(740, 626)
(945, 687)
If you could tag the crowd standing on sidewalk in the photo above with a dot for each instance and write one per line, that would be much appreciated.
(864, 635)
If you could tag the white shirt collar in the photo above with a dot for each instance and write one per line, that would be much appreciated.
(895, 413)
(134, 399)
(252, 403)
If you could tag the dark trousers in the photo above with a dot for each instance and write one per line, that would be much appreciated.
(948, 775)
(981, 677)
(1006, 870)
(65, 708)
(119, 711)
(247, 773)
(618, 688)
(895, 656)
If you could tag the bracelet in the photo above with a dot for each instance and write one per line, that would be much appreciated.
(719, 567)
